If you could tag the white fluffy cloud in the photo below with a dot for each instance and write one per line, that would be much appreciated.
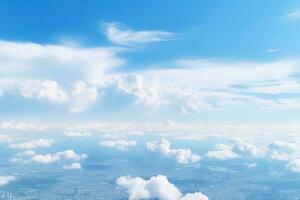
(27, 153)
(294, 165)
(192, 137)
(204, 85)
(236, 150)
(6, 179)
(55, 157)
(45, 72)
(286, 151)
(56, 62)
(72, 166)
(6, 138)
(83, 96)
(246, 149)
(280, 150)
(33, 144)
(124, 36)
(44, 90)
(145, 89)
(156, 187)
(183, 156)
(48, 90)
(20, 126)
(28, 156)
(122, 145)
(76, 134)
(76, 75)
(23, 157)
(194, 196)
(222, 152)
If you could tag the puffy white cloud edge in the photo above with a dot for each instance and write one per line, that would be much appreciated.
(183, 156)
(155, 187)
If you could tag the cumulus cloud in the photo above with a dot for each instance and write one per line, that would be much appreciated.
(192, 137)
(20, 126)
(294, 165)
(58, 156)
(33, 144)
(72, 166)
(44, 90)
(222, 152)
(124, 36)
(6, 138)
(280, 150)
(195, 196)
(82, 96)
(6, 179)
(76, 134)
(122, 145)
(23, 157)
(49, 90)
(236, 150)
(183, 156)
(144, 88)
(205, 85)
(27, 153)
(28, 156)
(45, 72)
(288, 152)
(245, 148)
(155, 187)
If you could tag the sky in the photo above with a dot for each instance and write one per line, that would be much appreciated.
(140, 97)
(133, 61)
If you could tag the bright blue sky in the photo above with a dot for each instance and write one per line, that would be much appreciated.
(231, 48)
(234, 29)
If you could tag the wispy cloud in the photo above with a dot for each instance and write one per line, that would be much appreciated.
(124, 36)
(294, 15)
(273, 50)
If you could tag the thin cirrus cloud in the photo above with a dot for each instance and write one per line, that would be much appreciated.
(273, 50)
(294, 15)
(155, 187)
(125, 36)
